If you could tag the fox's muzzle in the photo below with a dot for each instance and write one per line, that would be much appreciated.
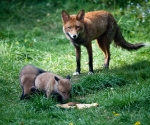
(73, 36)
(64, 98)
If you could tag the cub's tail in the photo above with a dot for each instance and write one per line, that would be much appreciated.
(120, 41)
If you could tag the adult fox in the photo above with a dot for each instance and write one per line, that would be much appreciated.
(82, 28)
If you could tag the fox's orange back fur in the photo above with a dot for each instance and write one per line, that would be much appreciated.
(82, 28)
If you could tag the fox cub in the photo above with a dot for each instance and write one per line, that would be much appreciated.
(27, 78)
(53, 84)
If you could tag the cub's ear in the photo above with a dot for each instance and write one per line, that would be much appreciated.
(80, 15)
(56, 78)
(68, 77)
(65, 16)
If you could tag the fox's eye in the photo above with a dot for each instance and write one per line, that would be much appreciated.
(69, 27)
(78, 27)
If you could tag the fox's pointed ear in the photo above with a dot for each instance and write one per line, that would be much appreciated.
(80, 15)
(56, 78)
(65, 16)
(68, 77)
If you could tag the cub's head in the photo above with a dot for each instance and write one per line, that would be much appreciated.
(63, 87)
(73, 24)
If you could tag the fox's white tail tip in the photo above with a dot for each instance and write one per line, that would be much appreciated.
(146, 44)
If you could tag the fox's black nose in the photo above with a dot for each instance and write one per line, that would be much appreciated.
(74, 36)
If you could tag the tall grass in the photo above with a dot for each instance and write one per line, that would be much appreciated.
(31, 33)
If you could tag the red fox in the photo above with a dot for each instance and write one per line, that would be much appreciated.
(82, 28)
(53, 84)
(27, 78)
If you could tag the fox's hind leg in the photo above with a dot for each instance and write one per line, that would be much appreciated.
(104, 44)
(90, 56)
(105, 39)
(22, 95)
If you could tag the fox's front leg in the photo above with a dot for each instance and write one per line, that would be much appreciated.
(48, 92)
(90, 56)
(78, 58)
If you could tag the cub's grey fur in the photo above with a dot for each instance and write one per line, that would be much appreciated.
(27, 78)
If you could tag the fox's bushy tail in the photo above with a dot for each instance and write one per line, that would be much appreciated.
(120, 41)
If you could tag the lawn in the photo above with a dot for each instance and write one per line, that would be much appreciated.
(31, 33)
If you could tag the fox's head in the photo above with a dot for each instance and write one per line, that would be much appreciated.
(63, 87)
(73, 24)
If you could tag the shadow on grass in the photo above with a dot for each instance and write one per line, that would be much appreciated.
(128, 74)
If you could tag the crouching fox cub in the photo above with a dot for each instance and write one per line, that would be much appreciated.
(53, 84)
(27, 78)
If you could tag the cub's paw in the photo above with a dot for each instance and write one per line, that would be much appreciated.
(76, 73)
(90, 73)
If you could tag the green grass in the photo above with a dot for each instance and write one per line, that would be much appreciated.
(31, 33)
